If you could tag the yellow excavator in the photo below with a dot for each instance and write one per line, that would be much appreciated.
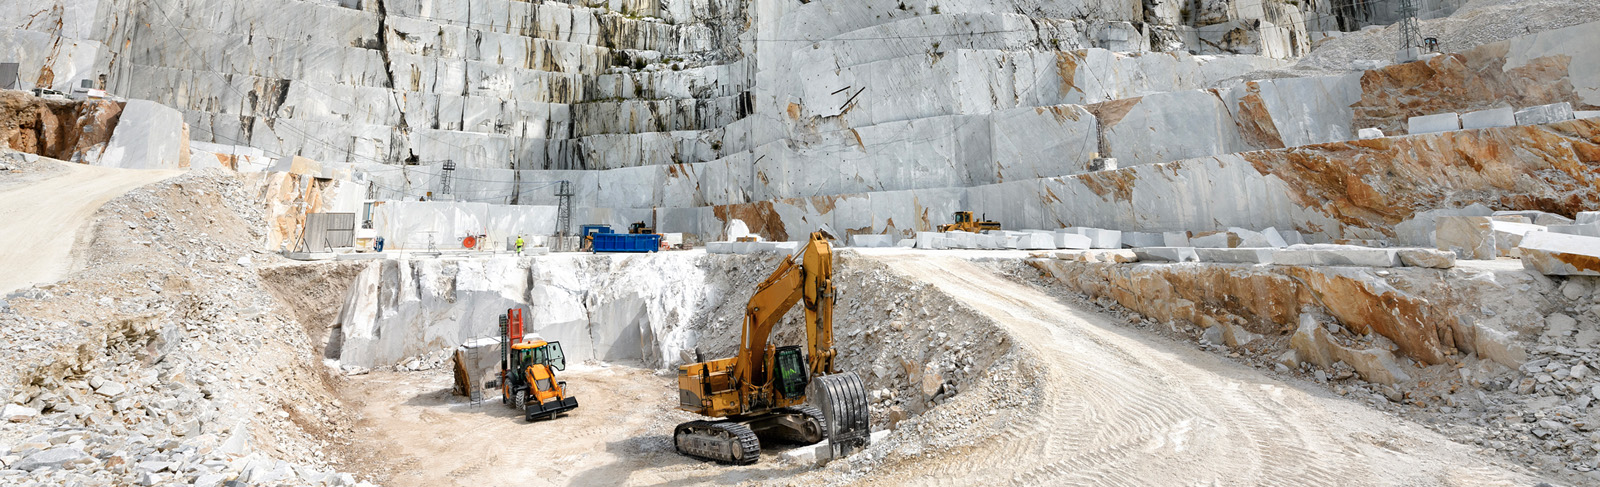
(781, 393)
(965, 223)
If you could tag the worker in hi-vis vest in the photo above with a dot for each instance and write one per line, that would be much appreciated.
(519, 245)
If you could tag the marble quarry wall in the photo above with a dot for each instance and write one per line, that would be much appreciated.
(607, 308)
(876, 116)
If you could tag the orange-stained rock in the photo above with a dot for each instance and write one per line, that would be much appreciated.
(1269, 300)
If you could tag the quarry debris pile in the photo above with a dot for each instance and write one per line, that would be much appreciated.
(165, 361)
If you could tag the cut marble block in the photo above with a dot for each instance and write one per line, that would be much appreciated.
(1252, 238)
(906, 243)
(1588, 217)
(1437, 259)
(871, 240)
(719, 247)
(962, 240)
(1427, 124)
(148, 135)
(1167, 254)
(1556, 254)
(1072, 241)
(1470, 237)
(1537, 217)
(1369, 133)
(930, 240)
(1142, 239)
(1508, 234)
(1219, 240)
(1336, 255)
(1242, 255)
(1118, 256)
(1542, 114)
(1587, 229)
(1036, 241)
(1483, 119)
(1274, 238)
(1175, 239)
(1292, 237)
(1582, 114)
(1104, 239)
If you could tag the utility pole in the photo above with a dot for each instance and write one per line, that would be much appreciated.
(1410, 33)
(444, 177)
(563, 213)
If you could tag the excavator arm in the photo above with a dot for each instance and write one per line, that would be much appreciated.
(807, 278)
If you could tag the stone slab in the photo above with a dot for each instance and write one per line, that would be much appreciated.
(1470, 237)
(1431, 258)
(1586, 230)
(1537, 217)
(1167, 254)
(1585, 217)
(1427, 124)
(1508, 234)
(1104, 239)
(1142, 239)
(1175, 239)
(1036, 241)
(1543, 114)
(1336, 255)
(1483, 119)
(1582, 114)
(1072, 241)
(1219, 240)
(1117, 256)
(148, 135)
(1369, 133)
(871, 241)
(1242, 255)
(1558, 254)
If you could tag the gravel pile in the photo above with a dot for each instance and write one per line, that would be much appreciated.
(166, 362)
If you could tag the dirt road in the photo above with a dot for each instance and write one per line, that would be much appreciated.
(42, 220)
(1124, 408)
(619, 435)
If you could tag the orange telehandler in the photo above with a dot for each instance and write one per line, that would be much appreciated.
(528, 372)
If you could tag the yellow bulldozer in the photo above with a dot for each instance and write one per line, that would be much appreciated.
(965, 223)
(787, 393)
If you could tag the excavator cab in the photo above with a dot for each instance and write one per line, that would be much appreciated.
(963, 217)
(792, 377)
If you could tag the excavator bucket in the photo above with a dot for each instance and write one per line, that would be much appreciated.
(843, 401)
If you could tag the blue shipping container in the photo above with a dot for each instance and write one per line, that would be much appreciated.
(627, 242)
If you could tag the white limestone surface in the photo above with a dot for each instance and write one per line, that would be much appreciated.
(148, 136)
(608, 308)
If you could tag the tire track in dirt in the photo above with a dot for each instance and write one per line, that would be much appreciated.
(1121, 408)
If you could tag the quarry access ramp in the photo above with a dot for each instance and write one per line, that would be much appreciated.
(1121, 407)
(40, 221)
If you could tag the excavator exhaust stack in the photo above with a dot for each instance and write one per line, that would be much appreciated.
(843, 400)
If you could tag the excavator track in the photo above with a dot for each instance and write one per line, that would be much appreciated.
(722, 441)
(788, 435)
(842, 398)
